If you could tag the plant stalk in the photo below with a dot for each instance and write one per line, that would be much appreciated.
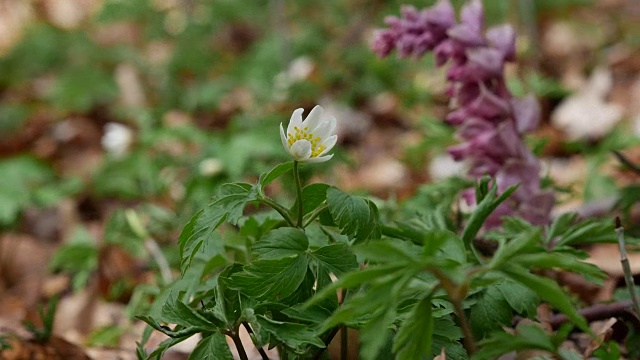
(314, 214)
(277, 207)
(298, 184)
(456, 294)
(263, 354)
(235, 336)
(626, 268)
(468, 341)
(344, 344)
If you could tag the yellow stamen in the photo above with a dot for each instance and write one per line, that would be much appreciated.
(303, 134)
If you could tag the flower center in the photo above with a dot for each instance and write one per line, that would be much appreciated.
(303, 134)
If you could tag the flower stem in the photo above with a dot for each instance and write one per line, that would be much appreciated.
(277, 207)
(298, 185)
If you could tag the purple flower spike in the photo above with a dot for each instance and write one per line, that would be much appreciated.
(503, 39)
(490, 121)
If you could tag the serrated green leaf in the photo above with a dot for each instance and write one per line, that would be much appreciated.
(453, 349)
(276, 172)
(274, 279)
(212, 347)
(336, 258)
(521, 299)
(414, 337)
(490, 313)
(355, 216)
(281, 243)
(228, 205)
(549, 291)
(295, 336)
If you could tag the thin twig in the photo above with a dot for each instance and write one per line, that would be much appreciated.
(628, 277)
(623, 159)
(595, 313)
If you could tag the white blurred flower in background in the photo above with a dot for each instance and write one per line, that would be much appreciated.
(117, 139)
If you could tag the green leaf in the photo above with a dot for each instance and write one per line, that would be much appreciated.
(276, 279)
(182, 333)
(228, 205)
(212, 347)
(525, 241)
(446, 244)
(336, 258)
(276, 172)
(489, 203)
(528, 337)
(521, 299)
(490, 312)
(227, 301)
(388, 251)
(354, 279)
(295, 336)
(453, 348)
(544, 260)
(22, 176)
(414, 337)
(355, 216)
(376, 303)
(373, 333)
(281, 243)
(176, 312)
(588, 232)
(163, 346)
(560, 225)
(313, 195)
(549, 291)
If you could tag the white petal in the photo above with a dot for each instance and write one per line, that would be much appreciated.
(326, 128)
(300, 150)
(283, 137)
(329, 144)
(296, 120)
(319, 159)
(314, 118)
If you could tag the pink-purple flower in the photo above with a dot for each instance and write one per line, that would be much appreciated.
(490, 121)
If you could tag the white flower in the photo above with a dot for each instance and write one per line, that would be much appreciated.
(117, 138)
(311, 139)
